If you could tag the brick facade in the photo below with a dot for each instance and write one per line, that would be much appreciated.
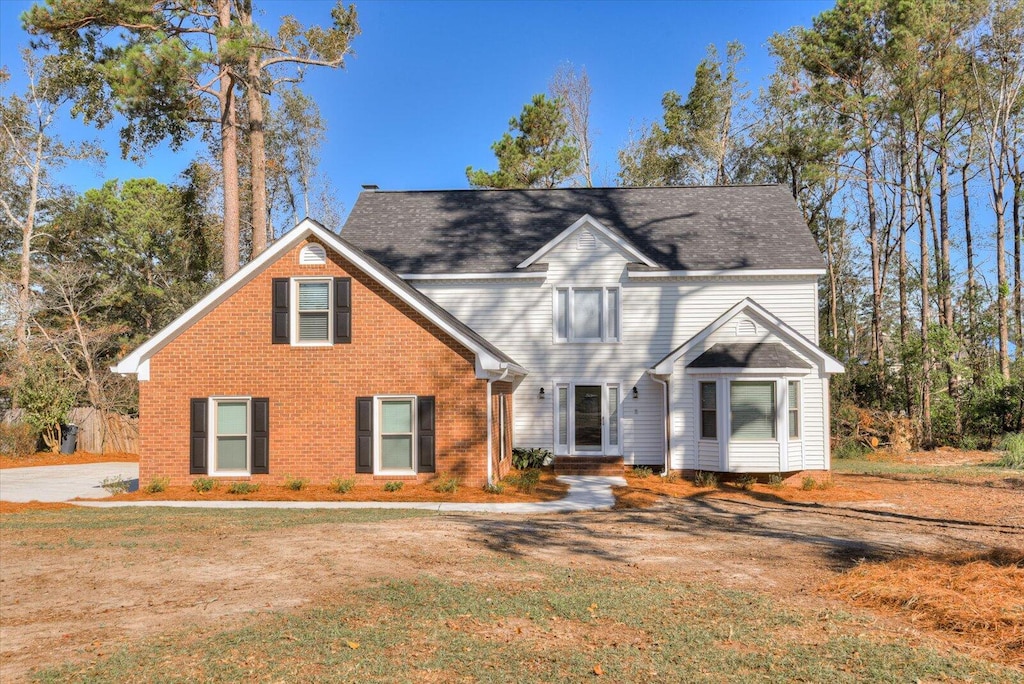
(313, 390)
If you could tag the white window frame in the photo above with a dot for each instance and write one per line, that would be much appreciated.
(602, 308)
(799, 412)
(294, 312)
(570, 445)
(700, 410)
(378, 433)
(212, 437)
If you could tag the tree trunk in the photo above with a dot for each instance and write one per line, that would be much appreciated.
(922, 199)
(257, 143)
(229, 145)
(25, 265)
(904, 308)
(1018, 200)
(878, 348)
(942, 272)
(972, 307)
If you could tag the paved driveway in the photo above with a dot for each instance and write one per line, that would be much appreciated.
(63, 483)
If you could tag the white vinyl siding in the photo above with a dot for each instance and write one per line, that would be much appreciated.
(656, 316)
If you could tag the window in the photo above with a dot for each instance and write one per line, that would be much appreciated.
(397, 421)
(753, 410)
(587, 314)
(613, 416)
(231, 436)
(563, 415)
(794, 409)
(708, 410)
(313, 312)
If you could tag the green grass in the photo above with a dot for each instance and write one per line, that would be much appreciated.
(856, 466)
(553, 628)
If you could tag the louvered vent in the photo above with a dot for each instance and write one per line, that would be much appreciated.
(585, 241)
(313, 255)
(746, 328)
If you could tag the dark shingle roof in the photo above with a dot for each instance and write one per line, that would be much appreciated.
(748, 355)
(486, 231)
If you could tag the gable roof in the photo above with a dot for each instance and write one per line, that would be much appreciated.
(826, 363)
(748, 355)
(493, 231)
(489, 359)
(595, 225)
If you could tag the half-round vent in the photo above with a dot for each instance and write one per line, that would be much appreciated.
(746, 328)
(312, 255)
(585, 241)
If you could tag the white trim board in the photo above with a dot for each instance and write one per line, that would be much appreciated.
(597, 226)
(730, 273)
(487, 364)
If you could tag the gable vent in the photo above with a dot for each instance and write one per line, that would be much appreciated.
(585, 241)
(746, 328)
(312, 255)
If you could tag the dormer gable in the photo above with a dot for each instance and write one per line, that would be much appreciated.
(582, 236)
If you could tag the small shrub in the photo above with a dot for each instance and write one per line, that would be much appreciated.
(243, 487)
(526, 481)
(342, 485)
(18, 440)
(494, 488)
(672, 477)
(747, 481)
(158, 484)
(808, 483)
(115, 484)
(296, 484)
(827, 483)
(705, 479)
(970, 443)
(1013, 451)
(849, 448)
(204, 484)
(643, 472)
(525, 459)
(775, 481)
(446, 484)
(393, 485)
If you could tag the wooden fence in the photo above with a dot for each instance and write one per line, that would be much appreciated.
(97, 433)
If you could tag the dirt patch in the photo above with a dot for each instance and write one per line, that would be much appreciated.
(46, 458)
(976, 597)
(547, 489)
(943, 456)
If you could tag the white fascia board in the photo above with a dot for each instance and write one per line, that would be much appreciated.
(540, 275)
(730, 273)
(826, 362)
(132, 363)
(767, 372)
(599, 227)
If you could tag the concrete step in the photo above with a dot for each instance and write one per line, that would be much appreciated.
(589, 465)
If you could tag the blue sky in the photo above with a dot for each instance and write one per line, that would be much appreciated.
(433, 84)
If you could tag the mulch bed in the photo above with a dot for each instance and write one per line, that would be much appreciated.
(548, 489)
(46, 458)
(645, 492)
(978, 597)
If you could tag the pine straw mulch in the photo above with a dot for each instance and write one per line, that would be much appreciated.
(46, 458)
(20, 507)
(942, 456)
(977, 598)
(648, 491)
(548, 489)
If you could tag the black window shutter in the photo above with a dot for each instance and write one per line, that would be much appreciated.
(281, 324)
(260, 436)
(425, 430)
(364, 434)
(198, 418)
(342, 310)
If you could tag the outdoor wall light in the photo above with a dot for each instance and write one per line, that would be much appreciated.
(541, 395)
(636, 394)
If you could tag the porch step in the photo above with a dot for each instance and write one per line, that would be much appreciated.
(589, 465)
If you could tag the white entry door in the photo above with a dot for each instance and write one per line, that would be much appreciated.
(587, 418)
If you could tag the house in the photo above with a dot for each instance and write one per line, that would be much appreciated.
(675, 328)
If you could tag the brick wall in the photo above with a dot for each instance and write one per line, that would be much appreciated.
(312, 390)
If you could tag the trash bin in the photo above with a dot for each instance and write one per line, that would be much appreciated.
(69, 441)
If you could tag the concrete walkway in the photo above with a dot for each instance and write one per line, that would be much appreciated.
(63, 483)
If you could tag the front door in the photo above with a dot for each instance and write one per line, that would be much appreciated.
(587, 418)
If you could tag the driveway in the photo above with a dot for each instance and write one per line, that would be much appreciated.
(63, 483)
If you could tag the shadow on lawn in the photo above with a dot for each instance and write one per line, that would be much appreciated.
(568, 533)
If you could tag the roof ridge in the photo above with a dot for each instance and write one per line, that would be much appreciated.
(379, 191)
